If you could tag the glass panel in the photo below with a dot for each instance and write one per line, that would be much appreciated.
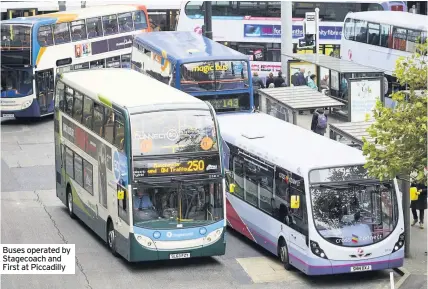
(238, 170)
(88, 177)
(16, 82)
(126, 61)
(266, 189)
(125, 22)
(97, 64)
(98, 118)
(109, 125)
(374, 34)
(78, 169)
(69, 162)
(400, 35)
(413, 38)
(349, 29)
(110, 24)
(140, 20)
(78, 106)
(78, 30)
(113, 62)
(385, 36)
(251, 187)
(15, 35)
(69, 92)
(119, 132)
(361, 31)
(338, 174)
(210, 76)
(163, 207)
(94, 27)
(354, 215)
(44, 36)
(87, 112)
(167, 132)
(61, 33)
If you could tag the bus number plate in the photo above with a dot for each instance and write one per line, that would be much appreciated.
(361, 268)
(179, 256)
(8, 115)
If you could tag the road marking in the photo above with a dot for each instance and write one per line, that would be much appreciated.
(266, 270)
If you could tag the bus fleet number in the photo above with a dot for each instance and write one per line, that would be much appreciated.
(195, 166)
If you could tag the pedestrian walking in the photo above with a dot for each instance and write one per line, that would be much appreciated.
(257, 84)
(279, 80)
(419, 205)
(319, 122)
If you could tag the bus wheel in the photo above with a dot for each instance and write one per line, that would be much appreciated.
(111, 237)
(283, 254)
(70, 203)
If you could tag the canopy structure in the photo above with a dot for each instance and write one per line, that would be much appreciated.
(280, 101)
(351, 133)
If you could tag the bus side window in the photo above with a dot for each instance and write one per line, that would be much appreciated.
(349, 29)
(119, 132)
(300, 216)
(78, 106)
(45, 35)
(78, 30)
(61, 33)
(238, 176)
(140, 21)
(69, 93)
(125, 22)
(110, 25)
(88, 107)
(98, 118)
(59, 96)
(94, 27)
(109, 126)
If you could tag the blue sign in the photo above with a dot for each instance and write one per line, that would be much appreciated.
(120, 168)
(274, 31)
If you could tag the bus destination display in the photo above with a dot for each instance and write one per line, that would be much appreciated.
(224, 103)
(179, 166)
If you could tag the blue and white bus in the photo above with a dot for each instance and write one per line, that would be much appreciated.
(34, 49)
(197, 65)
(308, 199)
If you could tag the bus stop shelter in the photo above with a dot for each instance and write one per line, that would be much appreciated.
(355, 85)
(282, 102)
(351, 133)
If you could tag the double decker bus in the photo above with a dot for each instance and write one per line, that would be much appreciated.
(379, 39)
(142, 169)
(308, 199)
(197, 65)
(35, 48)
(254, 27)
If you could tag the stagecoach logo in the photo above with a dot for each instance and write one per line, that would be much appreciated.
(178, 235)
(198, 30)
(211, 168)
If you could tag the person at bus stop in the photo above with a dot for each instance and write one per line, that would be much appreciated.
(319, 122)
(279, 80)
(270, 79)
(419, 204)
(311, 82)
(257, 84)
(298, 78)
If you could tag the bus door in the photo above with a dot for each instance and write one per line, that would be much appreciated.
(45, 90)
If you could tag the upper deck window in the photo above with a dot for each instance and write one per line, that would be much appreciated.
(78, 30)
(125, 22)
(15, 36)
(140, 20)
(61, 33)
(110, 25)
(45, 35)
(94, 27)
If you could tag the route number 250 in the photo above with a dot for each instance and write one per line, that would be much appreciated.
(195, 166)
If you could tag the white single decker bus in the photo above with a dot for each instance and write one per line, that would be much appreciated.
(308, 199)
(141, 167)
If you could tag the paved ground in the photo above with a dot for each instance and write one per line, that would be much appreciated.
(30, 213)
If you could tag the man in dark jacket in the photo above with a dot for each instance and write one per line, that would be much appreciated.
(279, 80)
(257, 84)
(298, 78)
(270, 79)
(319, 122)
(420, 204)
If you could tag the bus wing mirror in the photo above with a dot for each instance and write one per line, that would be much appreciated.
(231, 188)
(295, 202)
(120, 195)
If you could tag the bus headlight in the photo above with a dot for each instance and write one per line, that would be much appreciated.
(26, 104)
(400, 243)
(316, 250)
(213, 237)
(145, 241)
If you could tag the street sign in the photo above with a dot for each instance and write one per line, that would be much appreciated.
(310, 25)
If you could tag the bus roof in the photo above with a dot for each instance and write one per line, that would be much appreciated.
(395, 18)
(284, 144)
(185, 47)
(70, 15)
(128, 88)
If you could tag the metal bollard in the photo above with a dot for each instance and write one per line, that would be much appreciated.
(391, 280)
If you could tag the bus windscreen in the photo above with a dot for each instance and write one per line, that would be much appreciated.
(172, 132)
(214, 76)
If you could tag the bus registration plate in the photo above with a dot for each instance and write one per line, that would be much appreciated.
(361, 268)
(8, 115)
(179, 256)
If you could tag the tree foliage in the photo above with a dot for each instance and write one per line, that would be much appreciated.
(399, 145)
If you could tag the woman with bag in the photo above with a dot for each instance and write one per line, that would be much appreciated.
(419, 204)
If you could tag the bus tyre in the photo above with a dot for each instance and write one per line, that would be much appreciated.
(70, 203)
(111, 238)
(283, 255)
